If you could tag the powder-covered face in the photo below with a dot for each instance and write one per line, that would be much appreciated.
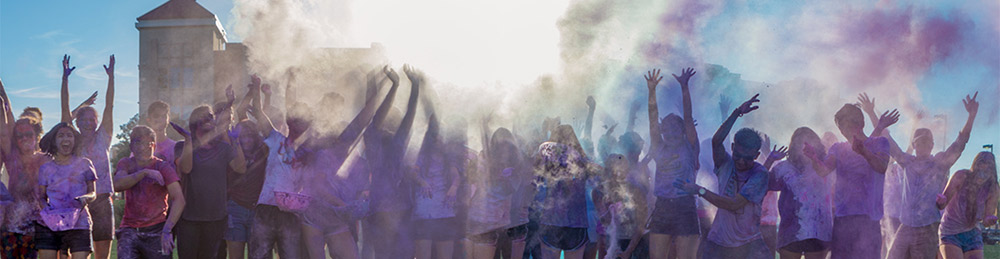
(86, 120)
(65, 141)
(744, 157)
(158, 120)
(143, 148)
(923, 142)
(26, 137)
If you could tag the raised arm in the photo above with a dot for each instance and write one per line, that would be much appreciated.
(719, 155)
(383, 109)
(264, 122)
(186, 160)
(955, 150)
(403, 133)
(6, 122)
(589, 125)
(868, 106)
(67, 115)
(689, 127)
(107, 119)
(655, 139)
(350, 134)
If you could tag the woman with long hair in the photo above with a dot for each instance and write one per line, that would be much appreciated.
(970, 197)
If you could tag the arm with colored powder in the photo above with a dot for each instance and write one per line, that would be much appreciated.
(955, 150)
(655, 139)
(719, 155)
(689, 126)
(107, 119)
(67, 116)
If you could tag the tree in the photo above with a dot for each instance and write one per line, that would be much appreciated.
(121, 149)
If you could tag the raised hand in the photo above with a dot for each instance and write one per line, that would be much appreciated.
(887, 119)
(66, 68)
(971, 105)
(866, 104)
(652, 79)
(808, 150)
(778, 153)
(416, 77)
(392, 75)
(591, 102)
(748, 106)
(110, 68)
(685, 75)
(90, 100)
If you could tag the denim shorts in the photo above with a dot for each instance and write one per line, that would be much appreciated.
(240, 220)
(675, 216)
(969, 240)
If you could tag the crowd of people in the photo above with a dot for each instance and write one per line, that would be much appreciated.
(251, 180)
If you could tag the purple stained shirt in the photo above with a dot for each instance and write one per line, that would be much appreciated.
(859, 188)
(737, 228)
(674, 162)
(892, 196)
(805, 205)
(98, 154)
(64, 183)
(922, 180)
(435, 173)
(564, 191)
(955, 220)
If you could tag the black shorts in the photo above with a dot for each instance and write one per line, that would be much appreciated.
(807, 246)
(437, 229)
(76, 240)
(675, 216)
(564, 238)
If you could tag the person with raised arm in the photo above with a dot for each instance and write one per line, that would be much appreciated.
(95, 142)
(860, 163)
(66, 185)
(621, 202)
(564, 170)
(924, 176)
(274, 228)
(385, 148)
(435, 215)
(337, 203)
(742, 185)
(22, 157)
(154, 200)
(674, 147)
(804, 203)
(206, 155)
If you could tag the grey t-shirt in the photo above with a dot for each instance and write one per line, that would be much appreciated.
(205, 187)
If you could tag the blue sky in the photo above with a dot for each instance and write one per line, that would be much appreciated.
(35, 34)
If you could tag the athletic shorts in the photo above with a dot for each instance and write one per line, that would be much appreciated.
(564, 238)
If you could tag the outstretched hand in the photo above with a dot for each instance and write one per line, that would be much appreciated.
(652, 79)
(887, 119)
(66, 68)
(685, 76)
(778, 153)
(971, 105)
(866, 104)
(591, 102)
(392, 75)
(110, 67)
(90, 100)
(748, 106)
(416, 77)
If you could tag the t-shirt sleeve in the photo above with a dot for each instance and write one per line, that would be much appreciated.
(89, 174)
(168, 173)
(775, 182)
(756, 187)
